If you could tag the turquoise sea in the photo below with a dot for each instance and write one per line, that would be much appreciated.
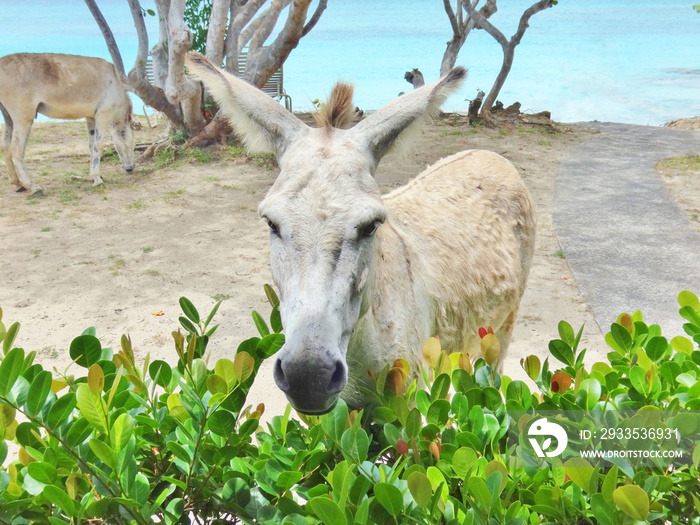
(633, 61)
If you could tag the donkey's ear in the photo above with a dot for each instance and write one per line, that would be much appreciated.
(392, 123)
(266, 126)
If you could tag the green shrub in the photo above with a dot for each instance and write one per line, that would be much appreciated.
(131, 442)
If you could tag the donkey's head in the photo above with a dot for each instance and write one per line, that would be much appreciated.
(323, 211)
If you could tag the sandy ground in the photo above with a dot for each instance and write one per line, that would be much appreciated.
(108, 257)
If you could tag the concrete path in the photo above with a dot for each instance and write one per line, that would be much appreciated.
(628, 244)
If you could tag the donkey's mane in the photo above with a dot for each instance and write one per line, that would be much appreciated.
(338, 111)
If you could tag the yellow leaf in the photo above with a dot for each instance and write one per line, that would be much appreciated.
(96, 379)
(465, 363)
(431, 351)
(25, 458)
(7, 415)
(243, 365)
(490, 348)
(158, 312)
(57, 386)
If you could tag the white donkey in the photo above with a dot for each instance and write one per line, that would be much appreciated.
(366, 279)
(62, 87)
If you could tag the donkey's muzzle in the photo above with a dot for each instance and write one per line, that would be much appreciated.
(311, 388)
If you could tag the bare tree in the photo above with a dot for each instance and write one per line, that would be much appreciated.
(462, 24)
(508, 47)
(232, 25)
(461, 27)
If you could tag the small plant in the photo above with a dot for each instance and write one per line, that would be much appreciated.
(131, 442)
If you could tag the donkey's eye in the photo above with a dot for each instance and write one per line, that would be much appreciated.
(369, 229)
(274, 229)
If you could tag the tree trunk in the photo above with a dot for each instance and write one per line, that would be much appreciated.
(217, 31)
(508, 47)
(508, 55)
(179, 88)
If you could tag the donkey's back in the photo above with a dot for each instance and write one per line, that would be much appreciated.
(56, 85)
(470, 222)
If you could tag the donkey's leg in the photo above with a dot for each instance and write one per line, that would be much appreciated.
(94, 153)
(504, 333)
(100, 125)
(22, 125)
(5, 147)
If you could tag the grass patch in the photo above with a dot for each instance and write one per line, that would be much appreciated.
(46, 229)
(220, 297)
(173, 195)
(212, 178)
(146, 249)
(117, 266)
(151, 271)
(136, 205)
(679, 164)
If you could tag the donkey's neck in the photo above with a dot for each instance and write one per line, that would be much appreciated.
(396, 316)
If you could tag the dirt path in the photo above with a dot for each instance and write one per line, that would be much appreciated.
(109, 257)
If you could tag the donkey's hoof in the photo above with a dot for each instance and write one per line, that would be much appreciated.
(36, 191)
(20, 189)
(98, 182)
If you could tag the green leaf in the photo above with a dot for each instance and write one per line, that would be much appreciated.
(276, 320)
(10, 369)
(603, 511)
(38, 392)
(92, 407)
(439, 412)
(463, 461)
(621, 336)
(188, 325)
(327, 510)
(355, 443)
(60, 499)
(78, 432)
(589, 393)
(288, 479)
(189, 310)
(389, 497)
(420, 488)
(104, 453)
(492, 467)
(122, 430)
(271, 295)
(633, 501)
(686, 298)
(609, 484)
(580, 472)
(260, 324)
(86, 350)
(269, 345)
(336, 421)
(9, 338)
(479, 491)
(42, 472)
(566, 333)
(222, 423)
(161, 373)
(561, 351)
(140, 489)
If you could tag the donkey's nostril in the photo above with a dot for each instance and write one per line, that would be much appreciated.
(338, 379)
(278, 374)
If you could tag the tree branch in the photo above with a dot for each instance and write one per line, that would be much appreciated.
(108, 36)
(320, 8)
